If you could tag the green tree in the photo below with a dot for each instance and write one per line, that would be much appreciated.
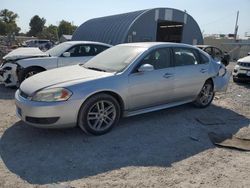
(36, 25)
(8, 16)
(8, 22)
(49, 32)
(3, 28)
(66, 28)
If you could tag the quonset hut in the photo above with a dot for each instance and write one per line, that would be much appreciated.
(158, 24)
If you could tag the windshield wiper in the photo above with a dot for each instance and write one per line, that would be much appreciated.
(97, 69)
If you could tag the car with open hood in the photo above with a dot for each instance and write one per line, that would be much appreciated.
(125, 80)
(25, 62)
(216, 53)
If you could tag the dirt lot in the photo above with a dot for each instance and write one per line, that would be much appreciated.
(168, 148)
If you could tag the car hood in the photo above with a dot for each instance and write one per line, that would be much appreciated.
(23, 53)
(245, 59)
(60, 76)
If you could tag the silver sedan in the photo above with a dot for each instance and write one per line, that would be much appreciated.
(125, 80)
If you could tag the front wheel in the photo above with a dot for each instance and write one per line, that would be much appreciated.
(99, 114)
(28, 72)
(205, 96)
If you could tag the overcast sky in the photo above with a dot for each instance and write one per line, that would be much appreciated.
(213, 16)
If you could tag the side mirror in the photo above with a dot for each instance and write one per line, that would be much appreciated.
(146, 68)
(66, 54)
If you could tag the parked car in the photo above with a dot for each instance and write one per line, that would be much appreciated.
(125, 80)
(241, 71)
(216, 53)
(25, 62)
(42, 44)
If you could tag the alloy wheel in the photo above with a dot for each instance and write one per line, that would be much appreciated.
(206, 94)
(101, 115)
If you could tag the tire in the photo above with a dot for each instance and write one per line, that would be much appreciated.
(205, 96)
(28, 72)
(99, 114)
(235, 79)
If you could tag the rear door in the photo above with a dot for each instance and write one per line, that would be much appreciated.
(190, 73)
(80, 54)
(147, 89)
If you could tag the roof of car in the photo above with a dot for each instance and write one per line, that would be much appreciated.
(86, 42)
(155, 44)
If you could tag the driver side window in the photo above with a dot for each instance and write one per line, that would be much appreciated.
(159, 58)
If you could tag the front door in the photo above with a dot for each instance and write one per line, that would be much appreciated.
(147, 89)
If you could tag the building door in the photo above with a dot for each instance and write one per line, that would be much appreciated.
(168, 31)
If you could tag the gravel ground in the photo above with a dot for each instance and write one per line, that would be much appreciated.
(168, 148)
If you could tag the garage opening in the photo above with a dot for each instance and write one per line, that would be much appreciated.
(168, 31)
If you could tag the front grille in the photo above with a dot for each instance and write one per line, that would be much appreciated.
(22, 94)
(244, 64)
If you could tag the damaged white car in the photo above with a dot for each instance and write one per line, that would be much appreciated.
(25, 62)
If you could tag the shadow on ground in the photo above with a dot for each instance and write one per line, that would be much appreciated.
(155, 139)
(7, 93)
(244, 84)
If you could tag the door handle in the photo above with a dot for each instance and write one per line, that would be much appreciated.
(168, 75)
(203, 70)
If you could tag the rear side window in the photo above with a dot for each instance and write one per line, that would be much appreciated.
(204, 59)
(98, 49)
(86, 50)
(185, 56)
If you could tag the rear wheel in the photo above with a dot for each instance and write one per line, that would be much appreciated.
(205, 96)
(99, 114)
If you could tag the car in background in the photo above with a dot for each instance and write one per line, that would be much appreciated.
(42, 44)
(216, 53)
(125, 80)
(241, 72)
(25, 62)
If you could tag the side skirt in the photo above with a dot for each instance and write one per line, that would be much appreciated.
(155, 108)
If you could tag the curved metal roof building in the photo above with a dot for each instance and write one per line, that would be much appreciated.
(159, 24)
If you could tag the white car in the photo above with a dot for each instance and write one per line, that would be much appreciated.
(242, 70)
(25, 62)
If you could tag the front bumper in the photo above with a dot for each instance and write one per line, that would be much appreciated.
(242, 74)
(8, 75)
(47, 114)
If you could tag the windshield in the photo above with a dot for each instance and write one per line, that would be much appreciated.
(59, 49)
(114, 59)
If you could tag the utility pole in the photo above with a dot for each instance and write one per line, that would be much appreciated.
(236, 27)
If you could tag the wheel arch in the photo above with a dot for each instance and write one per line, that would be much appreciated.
(20, 71)
(210, 80)
(113, 94)
(36, 67)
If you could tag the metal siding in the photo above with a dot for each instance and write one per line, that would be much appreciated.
(106, 28)
(116, 29)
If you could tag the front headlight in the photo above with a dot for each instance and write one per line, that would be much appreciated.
(52, 95)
